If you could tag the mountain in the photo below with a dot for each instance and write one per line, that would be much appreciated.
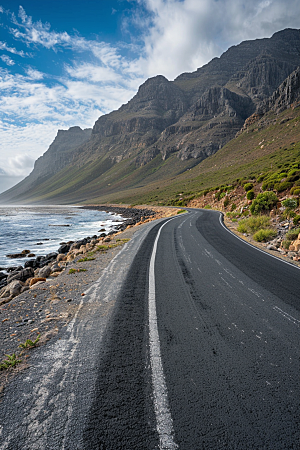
(167, 128)
(58, 156)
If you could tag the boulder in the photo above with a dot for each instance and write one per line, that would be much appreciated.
(55, 268)
(64, 248)
(12, 289)
(21, 275)
(61, 257)
(44, 272)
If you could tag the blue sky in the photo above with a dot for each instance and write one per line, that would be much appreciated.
(66, 63)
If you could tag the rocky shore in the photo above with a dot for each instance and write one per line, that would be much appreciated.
(17, 279)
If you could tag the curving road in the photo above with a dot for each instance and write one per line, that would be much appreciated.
(201, 351)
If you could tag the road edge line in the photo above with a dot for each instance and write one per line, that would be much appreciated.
(253, 246)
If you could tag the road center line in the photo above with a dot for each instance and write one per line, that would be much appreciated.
(164, 422)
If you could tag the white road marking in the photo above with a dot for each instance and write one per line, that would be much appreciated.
(253, 246)
(287, 316)
(164, 422)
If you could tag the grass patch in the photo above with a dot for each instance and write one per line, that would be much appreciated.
(181, 211)
(11, 361)
(29, 343)
(76, 270)
(86, 258)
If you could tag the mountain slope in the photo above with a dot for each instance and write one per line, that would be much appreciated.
(168, 127)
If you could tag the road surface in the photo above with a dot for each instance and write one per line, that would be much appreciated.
(190, 340)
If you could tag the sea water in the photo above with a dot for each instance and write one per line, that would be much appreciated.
(41, 229)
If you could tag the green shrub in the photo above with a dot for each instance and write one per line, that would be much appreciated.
(233, 206)
(226, 202)
(264, 235)
(250, 195)
(280, 187)
(242, 227)
(292, 234)
(253, 224)
(261, 177)
(289, 203)
(263, 202)
(296, 219)
(248, 186)
(286, 243)
(295, 190)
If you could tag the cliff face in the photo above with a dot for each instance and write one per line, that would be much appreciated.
(286, 96)
(59, 155)
(190, 118)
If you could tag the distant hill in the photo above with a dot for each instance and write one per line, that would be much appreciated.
(163, 135)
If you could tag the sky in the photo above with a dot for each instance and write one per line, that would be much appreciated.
(66, 63)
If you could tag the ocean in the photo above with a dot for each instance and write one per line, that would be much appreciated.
(41, 229)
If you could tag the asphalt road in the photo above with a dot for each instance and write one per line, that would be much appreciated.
(190, 340)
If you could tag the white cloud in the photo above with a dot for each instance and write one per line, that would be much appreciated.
(34, 74)
(19, 165)
(185, 34)
(4, 46)
(94, 73)
(7, 60)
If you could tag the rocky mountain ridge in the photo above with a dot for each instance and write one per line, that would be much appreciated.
(189, 118)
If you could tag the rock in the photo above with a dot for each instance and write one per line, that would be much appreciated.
(36, 280)
(21, 275)
(107, 239)
(56, 268)
(61, 257)
(15, 255)
(64, 248)
(31, 255)
(3, 276)
(44, 272)
(12, 289)
(24, 288)
(272, 247)
(31, 263)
